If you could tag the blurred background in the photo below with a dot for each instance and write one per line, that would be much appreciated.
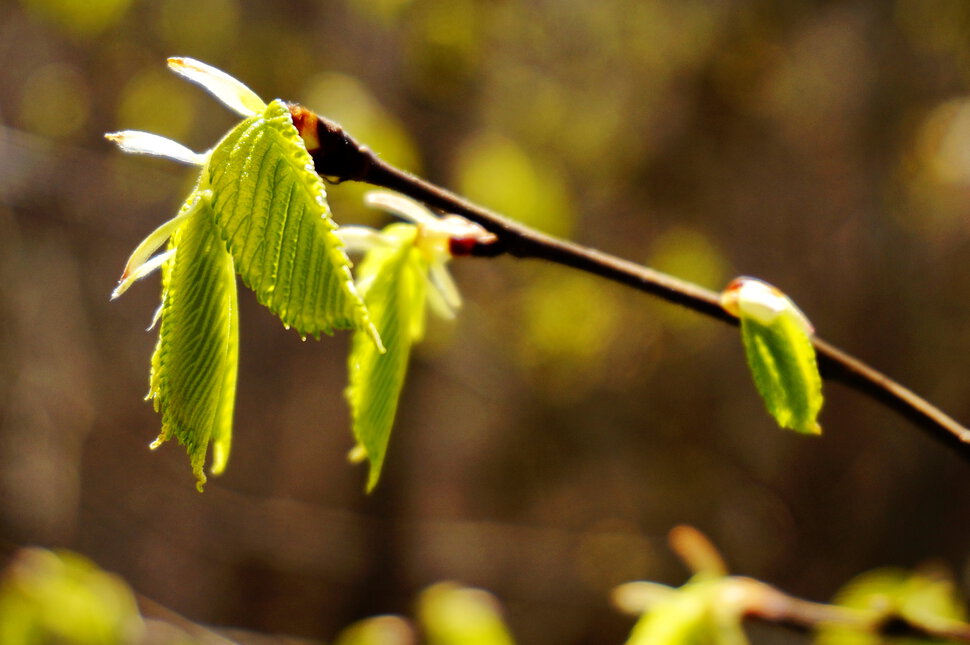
(551, 436)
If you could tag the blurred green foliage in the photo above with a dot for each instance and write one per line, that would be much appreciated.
(81, 18)
(61, 597)
(447, 614)
(696, 614)
(454, 615)
(380, 630)
(909, 599)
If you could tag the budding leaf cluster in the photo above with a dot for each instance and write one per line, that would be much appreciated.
(260, 210)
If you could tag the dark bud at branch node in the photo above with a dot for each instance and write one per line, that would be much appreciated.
(335, 153)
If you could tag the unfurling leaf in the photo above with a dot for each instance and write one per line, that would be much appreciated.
(270, 207)
(778, 346)
(394, 286)
(194, 366)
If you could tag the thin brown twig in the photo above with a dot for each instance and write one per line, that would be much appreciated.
(341, 158)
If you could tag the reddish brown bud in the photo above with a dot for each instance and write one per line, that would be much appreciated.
(307, 124)
(461, 246)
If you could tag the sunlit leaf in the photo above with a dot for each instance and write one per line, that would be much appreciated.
(193, 379)
(271, 209)
(394, 285)
(778, 346)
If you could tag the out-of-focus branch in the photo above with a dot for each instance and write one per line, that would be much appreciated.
(740, 598)
(760, 601)
(339, 157)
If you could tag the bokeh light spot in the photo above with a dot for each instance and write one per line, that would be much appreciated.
(159, 102)
(205, 35)
(55, 101)
(84, 18)
(496, 172)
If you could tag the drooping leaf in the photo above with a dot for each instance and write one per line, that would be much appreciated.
(194, 366)
(271, 209)
(394, 285)
(780, 354)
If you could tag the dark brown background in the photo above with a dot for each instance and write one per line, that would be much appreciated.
(551, 437)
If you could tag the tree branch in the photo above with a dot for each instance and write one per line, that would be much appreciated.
(339, 157)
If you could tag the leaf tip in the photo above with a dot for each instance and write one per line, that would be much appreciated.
(813, 428)
(146, 143)
(372, 478)
(220, 457)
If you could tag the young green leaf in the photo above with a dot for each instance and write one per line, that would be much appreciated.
(778, 346)
(394, 285)
(271, 209)
(193, 380)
